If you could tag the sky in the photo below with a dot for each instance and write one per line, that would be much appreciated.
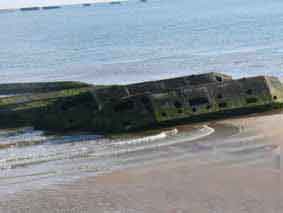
(6, 4)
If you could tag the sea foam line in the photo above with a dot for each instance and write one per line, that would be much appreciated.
(85, 152)
(203, 132)
(147, 139)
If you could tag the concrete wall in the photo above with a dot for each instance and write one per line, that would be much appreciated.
(124, 108)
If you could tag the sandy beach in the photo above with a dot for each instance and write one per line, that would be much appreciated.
(197, 185)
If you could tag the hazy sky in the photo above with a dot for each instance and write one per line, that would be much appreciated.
(25, 3)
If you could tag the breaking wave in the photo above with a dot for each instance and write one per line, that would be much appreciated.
(95, 149)
(147, 139)
(194, 135)
(20, 137)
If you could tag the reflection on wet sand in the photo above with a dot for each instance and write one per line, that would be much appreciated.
(224, 166)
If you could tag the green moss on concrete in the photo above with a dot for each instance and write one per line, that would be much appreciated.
(68, 113)
(40, 87)
(140, 106)
(34, 99)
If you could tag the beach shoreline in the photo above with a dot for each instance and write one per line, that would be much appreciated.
(184, 185)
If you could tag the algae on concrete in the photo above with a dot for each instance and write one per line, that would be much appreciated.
(72, 106)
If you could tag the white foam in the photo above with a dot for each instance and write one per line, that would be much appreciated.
(21, 135)
(33, 158)
(198, 134)
(43, 154)
(147, 139)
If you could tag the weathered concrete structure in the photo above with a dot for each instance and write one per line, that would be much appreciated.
(25, 88)
(64, 106)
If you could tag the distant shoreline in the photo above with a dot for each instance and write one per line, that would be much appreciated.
(7, 7)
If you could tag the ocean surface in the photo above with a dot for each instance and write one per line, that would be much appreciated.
(138, 41)
(132, 42)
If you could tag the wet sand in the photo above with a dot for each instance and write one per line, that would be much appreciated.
(183, 185)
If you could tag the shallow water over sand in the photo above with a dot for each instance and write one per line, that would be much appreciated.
(233, 164)
(31, 160)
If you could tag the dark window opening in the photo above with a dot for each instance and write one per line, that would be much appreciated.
(64, 108)
(127, 123)
(219, 96)
(275, 97)
(164, 114)
(198, 101)
(145, 100)
(129, 105)
(91, 105)
(66, 105)
(222, 105)
(178, 104)
(249, 91)
(146, 103)
(194, 109)
(218, 78)
(88, 105)
(251, 100)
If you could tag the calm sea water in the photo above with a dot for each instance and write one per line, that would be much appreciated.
(138, 41)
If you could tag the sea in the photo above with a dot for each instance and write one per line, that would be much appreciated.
(124, 43)
(136, 41)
